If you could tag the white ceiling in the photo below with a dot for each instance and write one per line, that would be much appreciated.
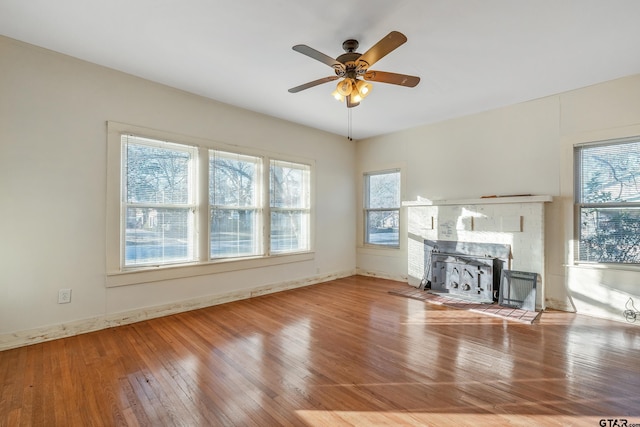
(472, 55)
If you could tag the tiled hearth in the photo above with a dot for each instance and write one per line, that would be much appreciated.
(507, 313)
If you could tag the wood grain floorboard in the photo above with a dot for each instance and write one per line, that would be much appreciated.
(345, 352)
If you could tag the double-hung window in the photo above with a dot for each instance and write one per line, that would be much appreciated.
(234, 203)
(607, 201)
(196, 205)
(290, 197)
(158, 202)
(382, 208)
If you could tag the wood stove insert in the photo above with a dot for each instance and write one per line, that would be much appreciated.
(467, 270)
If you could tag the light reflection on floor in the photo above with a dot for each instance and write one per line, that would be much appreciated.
(357, 418)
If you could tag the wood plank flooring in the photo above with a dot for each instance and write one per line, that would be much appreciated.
(344, 352)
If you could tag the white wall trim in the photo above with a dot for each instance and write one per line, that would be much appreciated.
(68, 329)
(369, 273)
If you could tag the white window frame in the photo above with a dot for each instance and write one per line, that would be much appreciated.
(255, 207)
(303, 210)
(367, 209)
(188, 206)
(580, 204)
(118, 275)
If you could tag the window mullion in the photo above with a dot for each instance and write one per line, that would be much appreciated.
(266, 206)
(202, 210)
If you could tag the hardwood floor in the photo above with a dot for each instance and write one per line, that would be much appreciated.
(344, 352)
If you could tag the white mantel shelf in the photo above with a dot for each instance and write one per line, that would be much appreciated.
(481, 201)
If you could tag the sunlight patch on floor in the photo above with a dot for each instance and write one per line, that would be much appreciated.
(370, 418)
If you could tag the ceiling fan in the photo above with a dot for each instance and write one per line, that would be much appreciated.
(353, 68)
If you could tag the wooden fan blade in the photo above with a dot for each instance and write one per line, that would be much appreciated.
(392, 78)
(319, 56)
(379, 50)
(351, 104)
(313, 83)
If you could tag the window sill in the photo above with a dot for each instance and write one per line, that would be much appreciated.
(388, 251)
(378, 247)
(156, 274)
(603, 266)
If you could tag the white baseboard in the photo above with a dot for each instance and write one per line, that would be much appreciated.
(370, 273)
(559, 305)
(68, 329)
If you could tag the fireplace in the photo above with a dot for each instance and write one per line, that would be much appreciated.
(466, 270)
(516, 223)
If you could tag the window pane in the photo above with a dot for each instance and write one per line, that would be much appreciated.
(609, 179)
(610, 235)
(289, 231)
(157, 236)
(610, 173)
(232, 179)
(233, 233)
(155, 174)
(382, 227)
(289, 186)
(382, 208)
(383, 190)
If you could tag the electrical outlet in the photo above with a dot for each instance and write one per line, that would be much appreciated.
(64, 296)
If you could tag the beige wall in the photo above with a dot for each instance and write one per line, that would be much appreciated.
(53, 139)
(519, 149)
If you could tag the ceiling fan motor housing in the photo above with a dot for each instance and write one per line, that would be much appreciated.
(349, 59)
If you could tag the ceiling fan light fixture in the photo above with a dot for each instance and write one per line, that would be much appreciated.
(344, 87)
(364, 88)
(337, 96)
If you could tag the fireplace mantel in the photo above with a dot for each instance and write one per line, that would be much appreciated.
(480, 201)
